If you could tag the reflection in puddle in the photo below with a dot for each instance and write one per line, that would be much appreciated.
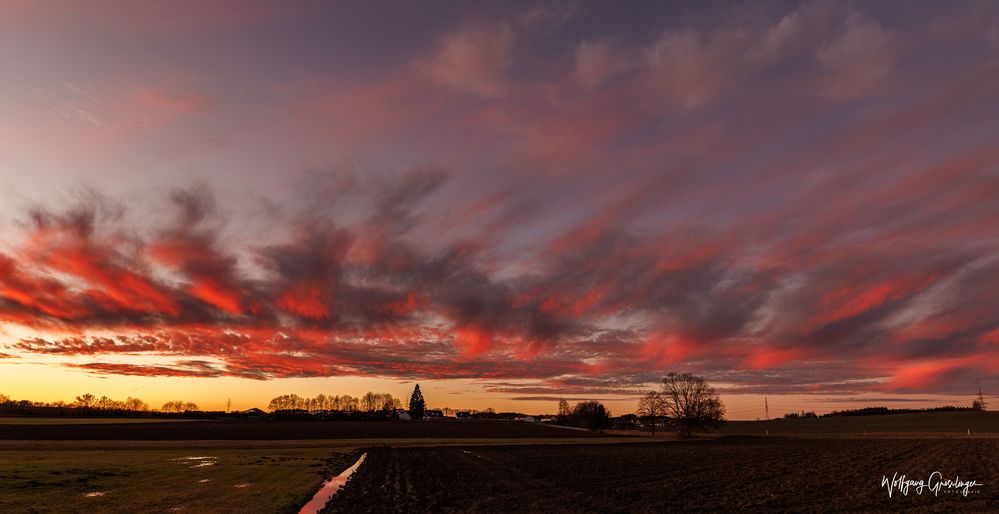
(329, 488)
(204, 480)
(94, 494)
(197, 461)
(244, 485)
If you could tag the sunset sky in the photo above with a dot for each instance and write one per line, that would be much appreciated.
(507, 202)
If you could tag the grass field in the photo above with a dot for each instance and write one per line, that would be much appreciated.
(165, 479)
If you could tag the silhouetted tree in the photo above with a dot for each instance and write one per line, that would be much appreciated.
(388, 403)
(85, 400)
(564, 411)
(369, 402)
(179, 406)
(4, 399)
(592, 415)
(347, 403)
(652, 407)
(691, 404)
(105, 403)
(135, 404)
(417, 405)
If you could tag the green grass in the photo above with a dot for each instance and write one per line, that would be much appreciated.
(251, 479)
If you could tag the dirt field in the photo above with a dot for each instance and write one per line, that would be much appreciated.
(935, 423)
(732, 474)
(284, 430)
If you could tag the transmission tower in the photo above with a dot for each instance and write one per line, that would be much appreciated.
(981, 399)
(228, 403)
(766, 409)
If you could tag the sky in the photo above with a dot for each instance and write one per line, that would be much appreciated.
(507, 202)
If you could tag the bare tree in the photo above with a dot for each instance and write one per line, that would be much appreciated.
(369, 402)
(175, 406)
(85, 400)
(652, 407)
(105, 403)
(564, 411)
(690, 403)
(135, 404)
(389, 403)
(179, 406)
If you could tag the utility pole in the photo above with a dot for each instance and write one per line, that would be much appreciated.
(981, 399)
(228, 404)
(766, 408)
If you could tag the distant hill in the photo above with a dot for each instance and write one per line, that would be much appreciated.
(878, 411)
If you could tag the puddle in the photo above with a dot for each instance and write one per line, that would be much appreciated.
(204, 480)
(94, 494)
(197, 461)
(329, 488)
(244, 485)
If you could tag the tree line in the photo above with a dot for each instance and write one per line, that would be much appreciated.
(370, 402)
(90, 403)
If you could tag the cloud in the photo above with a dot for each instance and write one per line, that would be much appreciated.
(477, 56)
(713, 195)
(858, 60)
(161, 105)
(79, 105)
(548, 15)
(474, 59)
(600, 60)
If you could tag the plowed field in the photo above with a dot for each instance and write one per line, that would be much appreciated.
(732, 474)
